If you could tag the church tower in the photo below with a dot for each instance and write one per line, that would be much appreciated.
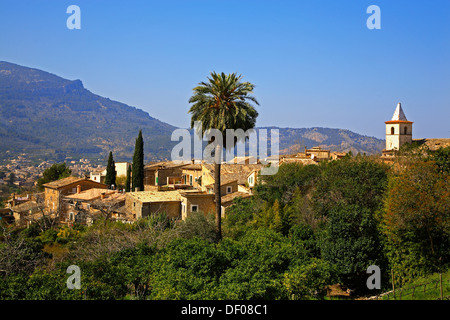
(398, 130)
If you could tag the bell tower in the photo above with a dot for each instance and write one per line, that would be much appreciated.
(398, 130)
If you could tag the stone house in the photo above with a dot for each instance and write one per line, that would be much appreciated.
(196, 201)
(141, 204)
(191, 175)
(227, 186)
(100, 175)
(55, 190)
(85, 206)
(162, 173)
(228, 173)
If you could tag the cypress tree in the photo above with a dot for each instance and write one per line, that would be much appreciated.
(138, 164)
(110, 178)
(128, 181)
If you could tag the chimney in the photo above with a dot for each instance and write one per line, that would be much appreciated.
(102, 195)
(78, 189)
(136, 189)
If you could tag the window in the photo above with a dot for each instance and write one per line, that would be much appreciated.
(190, 179)
(183, 208)
(406, 130)
(194, 208)
(229, 189)
(392, 130)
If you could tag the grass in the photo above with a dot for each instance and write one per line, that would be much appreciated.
(424, 288)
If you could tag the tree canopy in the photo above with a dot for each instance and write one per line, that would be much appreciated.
(55, 172)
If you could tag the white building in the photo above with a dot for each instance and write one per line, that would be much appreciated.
(398, 130)
(121, 170)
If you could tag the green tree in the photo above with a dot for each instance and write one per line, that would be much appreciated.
(291, 177)
(11, 179)
(416, 220)
(442, 158)
(55, 172)
(223, 102)
(128, 181)
(309, 281)
(239, 217)
(347, 196)
(138, 164)
(110, 178)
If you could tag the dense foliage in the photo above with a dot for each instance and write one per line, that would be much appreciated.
(55, 172)
(110, 178)
(306, 228)
(137, 176)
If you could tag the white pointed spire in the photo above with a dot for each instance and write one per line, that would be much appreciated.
(399, 115)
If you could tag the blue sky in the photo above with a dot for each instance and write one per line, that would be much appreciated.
(314, 63)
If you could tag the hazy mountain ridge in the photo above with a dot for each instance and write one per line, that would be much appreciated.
(341, 140)
(43, 113)
(49, 117)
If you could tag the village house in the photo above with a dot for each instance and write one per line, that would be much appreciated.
(196, 201)
(229, 172)
(309, 156)
(85, 206)
(25, 213)
(162, 173)
(252, 177)
(177, 204)
(191, 175)
(6, 215)
(55, 190)
(142, 204)
(227, 185)
(99, 175)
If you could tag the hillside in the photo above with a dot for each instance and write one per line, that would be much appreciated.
(294, 140)
(48, 117)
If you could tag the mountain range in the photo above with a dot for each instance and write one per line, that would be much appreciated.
(51, 118)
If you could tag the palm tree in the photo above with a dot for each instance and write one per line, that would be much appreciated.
(222, 103)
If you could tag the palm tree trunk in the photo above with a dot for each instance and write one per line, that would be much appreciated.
(218, 196)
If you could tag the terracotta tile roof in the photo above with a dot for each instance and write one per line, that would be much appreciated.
(163, 165)
(237, 172)
(223, 181)
(155, 196)
(90, 194)
(63, 182)
(195, 166)
(26, 207)
(228, 199)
